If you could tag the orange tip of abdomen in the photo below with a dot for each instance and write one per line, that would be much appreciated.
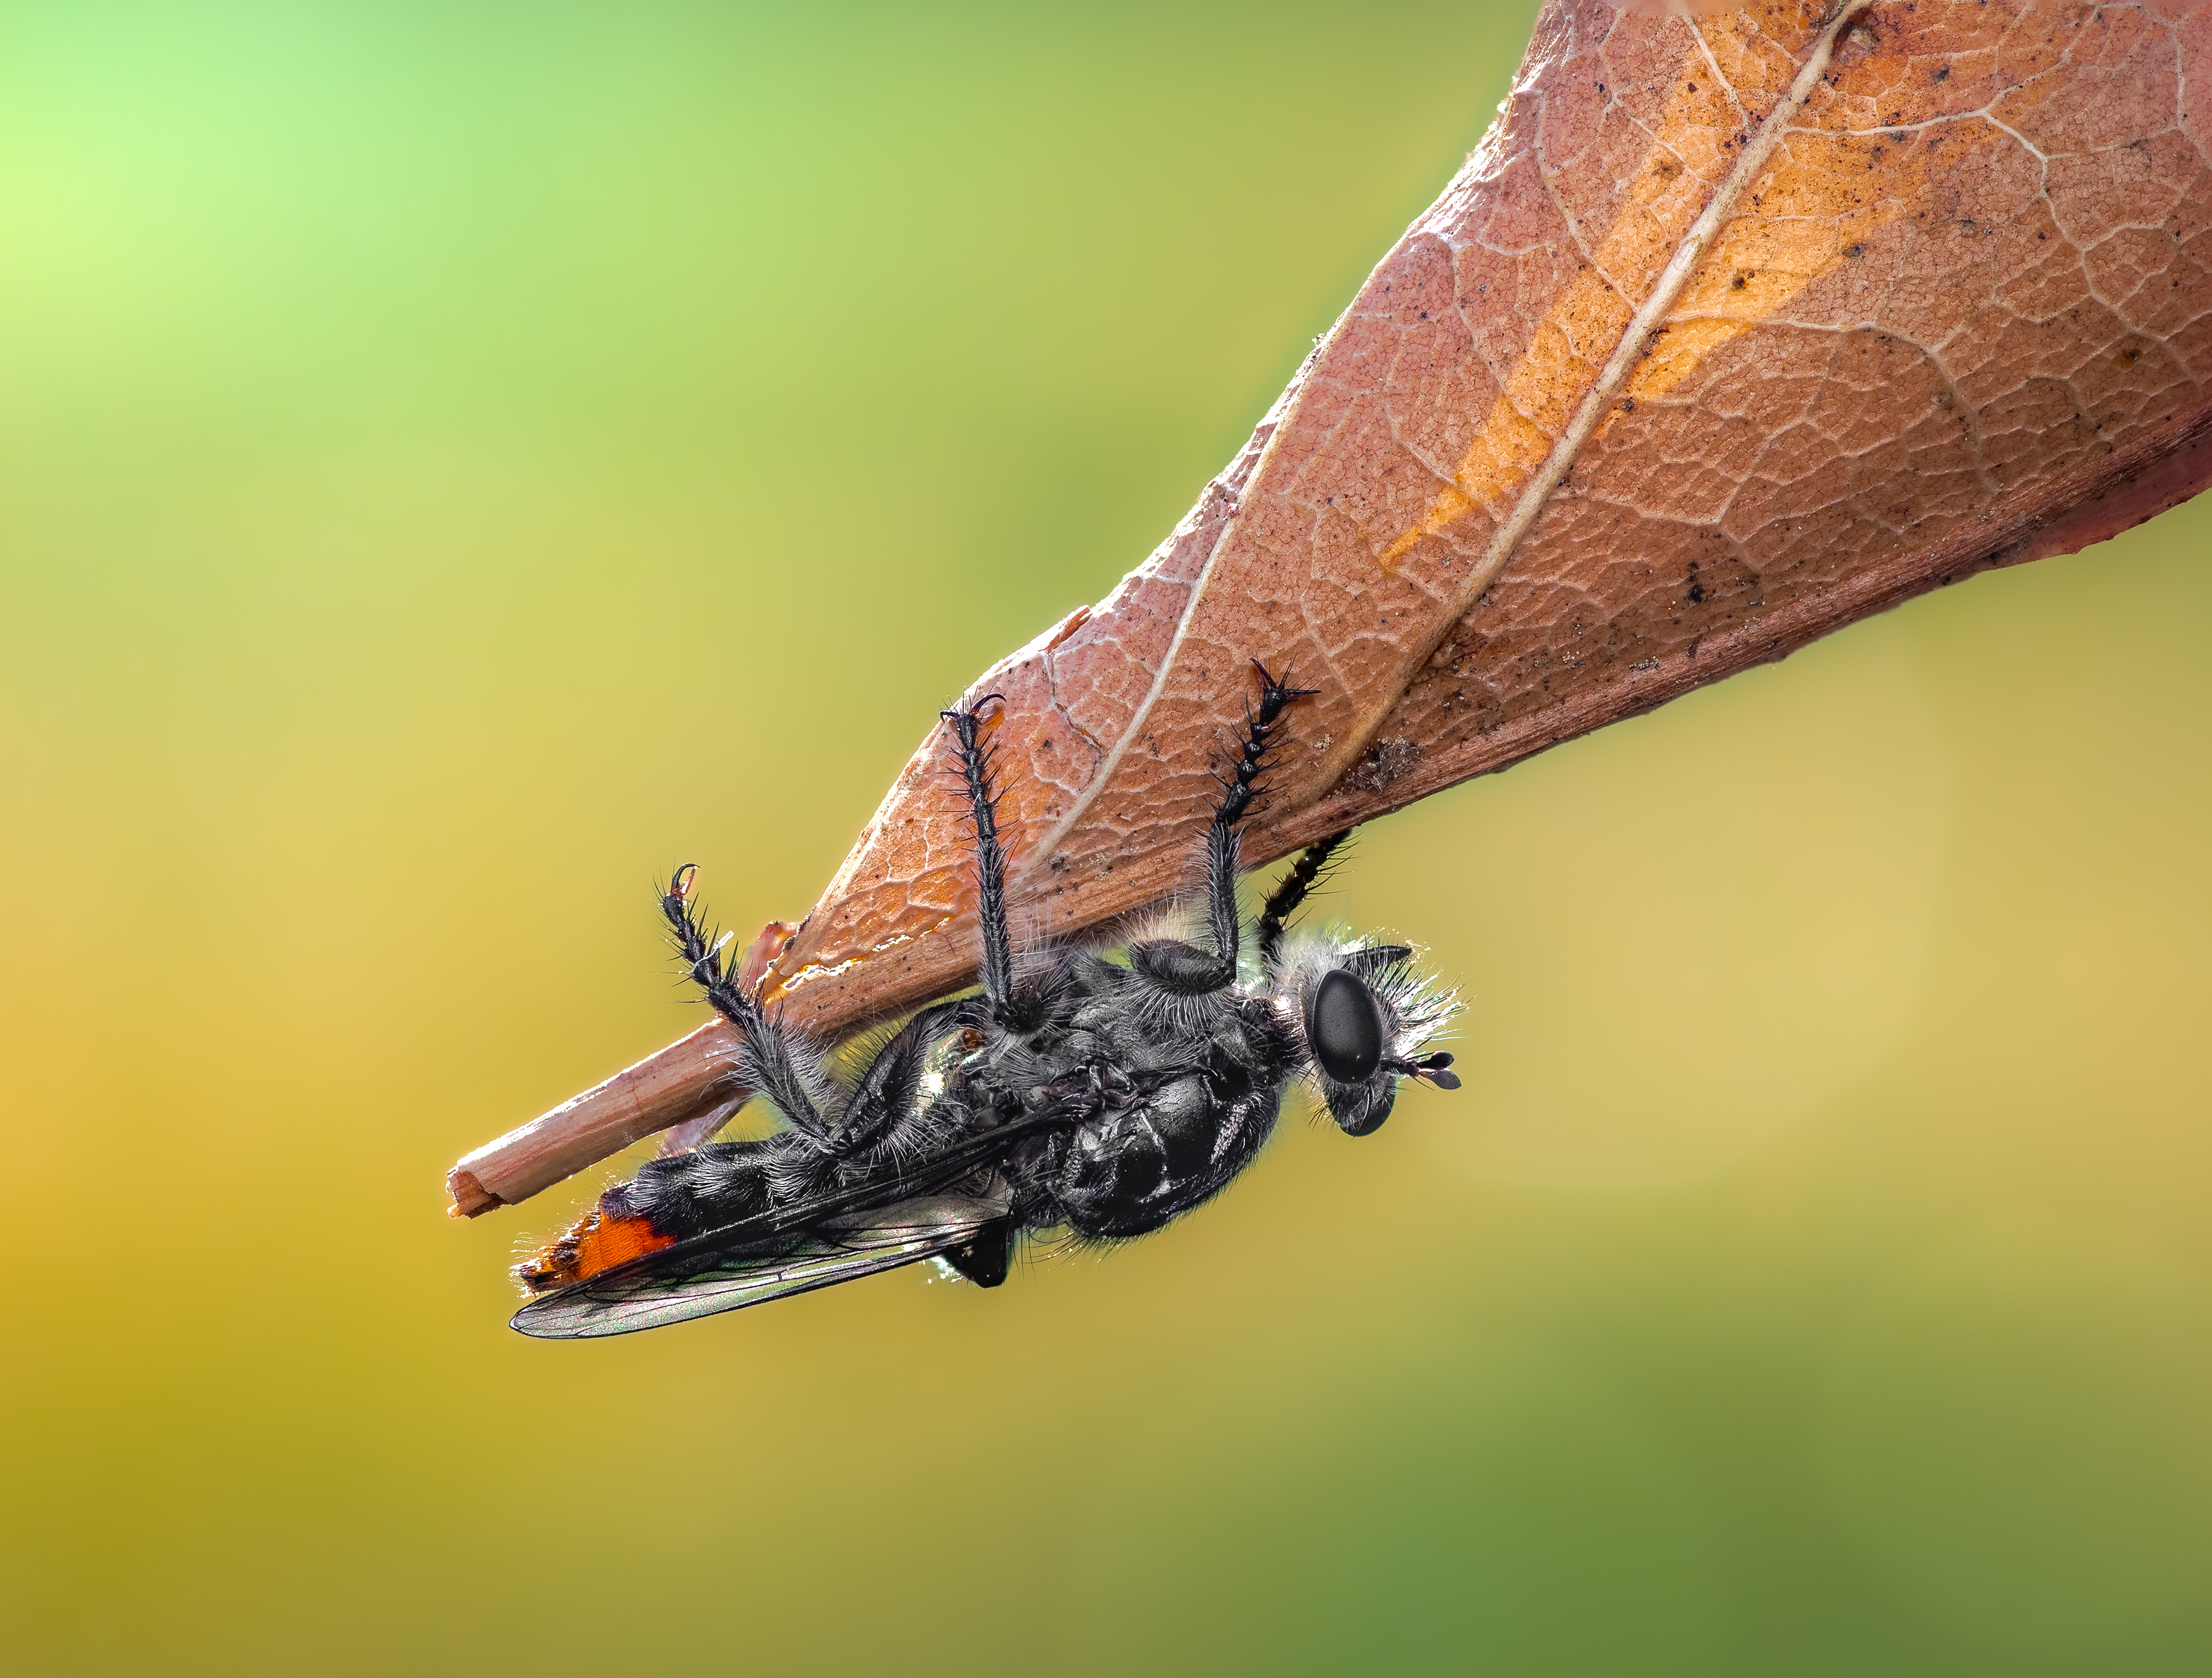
(599, 1244)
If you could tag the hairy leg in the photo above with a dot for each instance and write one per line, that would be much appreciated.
(885, 1108)
(778, 1063)
(990, 859)
(1184, 969)
(1283, 902)
(1239, 788)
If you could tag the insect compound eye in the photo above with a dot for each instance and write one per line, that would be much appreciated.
(1343, 1028)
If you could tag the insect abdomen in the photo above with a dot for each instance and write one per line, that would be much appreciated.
(667, 1200)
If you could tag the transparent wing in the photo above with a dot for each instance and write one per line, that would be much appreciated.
(700, 1278)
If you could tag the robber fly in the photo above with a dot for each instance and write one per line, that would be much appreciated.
(1097, 1098)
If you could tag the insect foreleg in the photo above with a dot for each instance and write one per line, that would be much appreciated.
(1283, 902)
(1238, 790)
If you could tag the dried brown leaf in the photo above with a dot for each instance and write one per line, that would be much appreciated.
(1735, 328)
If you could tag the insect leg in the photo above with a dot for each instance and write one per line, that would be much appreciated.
(773, 1061)
(886, 1104)
(1283, 902)
(1221, 862)
(990, 859)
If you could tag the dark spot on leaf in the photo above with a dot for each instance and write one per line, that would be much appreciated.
(1385, 760)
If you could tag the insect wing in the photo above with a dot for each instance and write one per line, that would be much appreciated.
(682, 1282)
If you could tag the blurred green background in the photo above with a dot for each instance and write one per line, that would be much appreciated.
(460, 459)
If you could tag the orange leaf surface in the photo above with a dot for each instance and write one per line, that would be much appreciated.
(1735, 328)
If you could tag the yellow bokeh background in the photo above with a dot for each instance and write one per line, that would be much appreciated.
(461, 459)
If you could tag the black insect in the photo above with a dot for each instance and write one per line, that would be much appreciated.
(1074, 1093)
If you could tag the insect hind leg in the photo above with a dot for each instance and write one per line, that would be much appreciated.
(778, 1063)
